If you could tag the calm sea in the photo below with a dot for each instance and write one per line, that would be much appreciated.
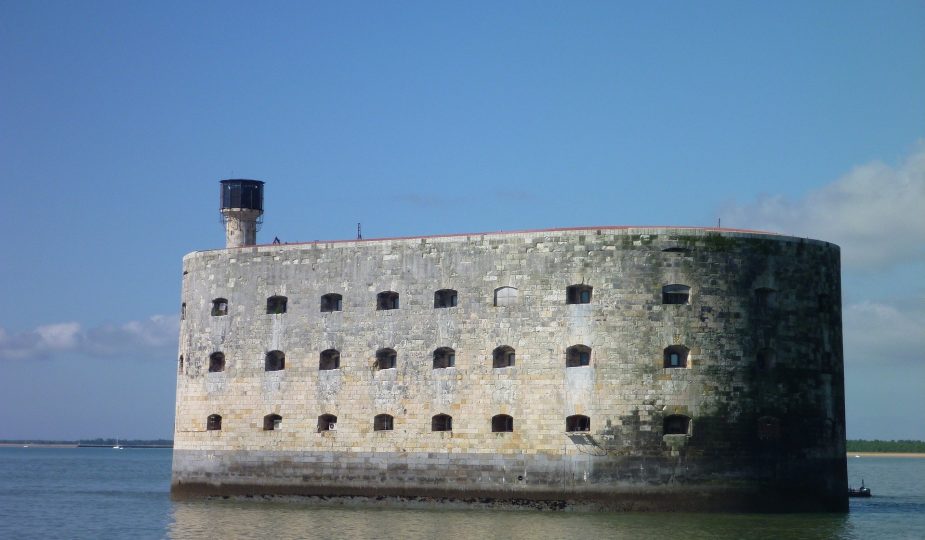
(105, 493)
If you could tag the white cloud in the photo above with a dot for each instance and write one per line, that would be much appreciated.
(878, 333)
(875, 213)
(130, 339)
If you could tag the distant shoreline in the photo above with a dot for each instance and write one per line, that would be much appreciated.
(888, 454)
(74, 445)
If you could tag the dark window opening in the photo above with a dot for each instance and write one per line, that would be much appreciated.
(676, 294)
(276, 305)
(577, 356)
(445, 298)
(329, 359)
(578, 294)
(444, 357)
(676, 356)
(383, 422)
(387, 300)
(577, 422)
(272, 422)
(183, 311)
(331, 302)
(764, 359)
(441, 422)
(219, 307)
(274, 361)
(214, 422)
(505, 296)
(180, 365)
(765, 298)
(676, 249)
(216, 362)
(502, 423)
(677, 424)
(327, 422)
(386, 359)
(503, 357)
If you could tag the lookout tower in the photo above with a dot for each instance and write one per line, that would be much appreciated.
(242, 211)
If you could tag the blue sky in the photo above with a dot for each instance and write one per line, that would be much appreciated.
(118, 119)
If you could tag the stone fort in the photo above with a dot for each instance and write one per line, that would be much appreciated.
(640, 368)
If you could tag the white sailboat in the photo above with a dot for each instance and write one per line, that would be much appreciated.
(118, 446)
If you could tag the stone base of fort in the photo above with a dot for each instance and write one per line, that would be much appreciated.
(583, 482)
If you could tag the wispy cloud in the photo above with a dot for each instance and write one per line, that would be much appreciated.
(881, 333)
(874, 213)
(130, 339)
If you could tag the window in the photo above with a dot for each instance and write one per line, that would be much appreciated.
(183, 311)
(219, 307)
(764, 359)
(577, 422)
(577, 356)
(578, 294)
(676, 249)
(503, 357)
(676, 356)
(444, 357)
(765, 298)
(272, 422)
(505, 296)
(387, 300)
(676, 294)
(441, 422)
(276, 305)
(386, 359)
(214, 422)
(445, 298)
(383, 422)
(216, 362)
(676, 424)
(502, 423)
(327, 422)
(330, 359)
(180, 365)
(274, 361)
(331, 302)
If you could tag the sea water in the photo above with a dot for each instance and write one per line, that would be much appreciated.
(106, 493)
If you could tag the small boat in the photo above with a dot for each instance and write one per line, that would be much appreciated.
(118, 446)
(859, 492)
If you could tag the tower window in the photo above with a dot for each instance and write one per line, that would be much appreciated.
(676, 356)
(386, 358)
(272, 422)
(577, 422)
(506, 296)
(445, 298)
(444, 357)
(180, 365)
(276, 305)
(578, 294)
(676, 424)
(383, 422)
(577, 356)
(387, 300)
(219, 307)
(327, 422)
(676, 294)
(765, 298)
(183, 311)
(274, 361)
(764, 359)
(214, 422)
(216, 362)
(503, 357)
(329, 359)
(441, 422)
(331, 302)
(502, 423)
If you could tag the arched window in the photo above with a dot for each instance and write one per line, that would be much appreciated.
(386, 359)
(327, 422)
(214, 422)
(577, 356)
(329, 359)
(764, 359)
(577, 422)
(216, 362)
(506, 296)
(387, 300)
(502, 423)
(441, 422)
(272, 422)
(676, 424)
(676, 294)
(274, 361)
(276, 305)
(219, 307)
(765, 298)
(445, 298)
(578, 294)
(503, 357)
(444, 357)
(676, 356)
(331, 302)
(383, 422)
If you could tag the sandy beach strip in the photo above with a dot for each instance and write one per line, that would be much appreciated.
(887, 454)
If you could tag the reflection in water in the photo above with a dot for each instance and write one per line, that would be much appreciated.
(283, 520)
